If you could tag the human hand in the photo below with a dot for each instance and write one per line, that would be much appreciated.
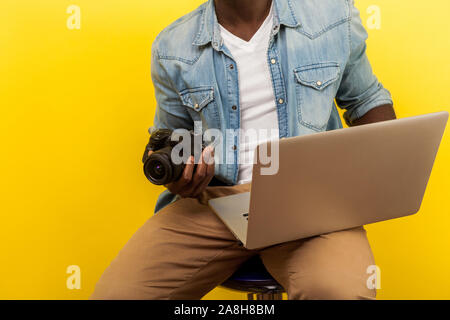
(191, 184)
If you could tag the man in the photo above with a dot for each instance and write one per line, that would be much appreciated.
(238, 64)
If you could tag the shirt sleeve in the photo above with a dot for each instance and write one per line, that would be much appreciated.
(170, 112)
(360, 91)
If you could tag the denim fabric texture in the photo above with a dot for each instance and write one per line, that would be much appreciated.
(317, 59)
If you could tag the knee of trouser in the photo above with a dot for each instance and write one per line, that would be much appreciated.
(332, 286)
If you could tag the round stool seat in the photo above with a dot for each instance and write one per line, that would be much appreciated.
(252, 276)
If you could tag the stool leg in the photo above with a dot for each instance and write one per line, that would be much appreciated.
(269, 296)
(278, 296)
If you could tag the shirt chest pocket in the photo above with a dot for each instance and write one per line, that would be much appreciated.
(316, 87)
(201, 105)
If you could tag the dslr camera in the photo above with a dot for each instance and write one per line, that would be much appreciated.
(160, 168)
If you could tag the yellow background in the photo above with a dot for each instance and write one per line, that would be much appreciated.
(75, 106)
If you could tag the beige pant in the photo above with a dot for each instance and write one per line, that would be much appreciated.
(185, 251)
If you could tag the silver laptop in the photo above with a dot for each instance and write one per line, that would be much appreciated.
(336, 180)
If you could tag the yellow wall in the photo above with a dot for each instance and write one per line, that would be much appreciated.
(74, 109)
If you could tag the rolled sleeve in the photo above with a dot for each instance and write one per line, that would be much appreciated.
(360, 91)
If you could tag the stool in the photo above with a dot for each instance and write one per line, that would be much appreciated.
(253, 277)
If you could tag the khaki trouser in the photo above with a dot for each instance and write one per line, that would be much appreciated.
(184, 251)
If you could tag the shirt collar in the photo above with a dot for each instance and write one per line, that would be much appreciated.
(209, 30)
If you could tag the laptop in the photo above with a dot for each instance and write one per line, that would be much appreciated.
(336, 180)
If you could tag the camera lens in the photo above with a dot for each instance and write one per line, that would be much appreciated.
(157, 170)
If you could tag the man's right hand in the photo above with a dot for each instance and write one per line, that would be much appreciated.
(192, 184)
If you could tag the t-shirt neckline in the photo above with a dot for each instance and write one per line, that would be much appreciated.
(255, 38)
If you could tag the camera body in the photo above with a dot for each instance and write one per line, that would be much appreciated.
(159, 168)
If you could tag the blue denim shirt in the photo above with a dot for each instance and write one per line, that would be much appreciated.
(316, 56)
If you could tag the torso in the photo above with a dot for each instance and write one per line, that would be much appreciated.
(259, 119)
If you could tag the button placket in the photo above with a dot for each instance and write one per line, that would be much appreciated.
(233, 98)
(279, 89)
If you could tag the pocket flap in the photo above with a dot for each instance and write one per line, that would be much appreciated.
(197, 98)
(318, 76)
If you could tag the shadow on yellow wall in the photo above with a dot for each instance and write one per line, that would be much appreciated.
(76, 100)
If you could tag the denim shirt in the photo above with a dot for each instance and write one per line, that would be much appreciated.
(316, 56)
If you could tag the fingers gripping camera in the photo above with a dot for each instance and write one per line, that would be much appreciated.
(171, 150)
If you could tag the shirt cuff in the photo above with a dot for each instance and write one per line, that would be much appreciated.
(382, 98)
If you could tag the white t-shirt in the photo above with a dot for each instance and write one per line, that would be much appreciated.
(259, 117)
